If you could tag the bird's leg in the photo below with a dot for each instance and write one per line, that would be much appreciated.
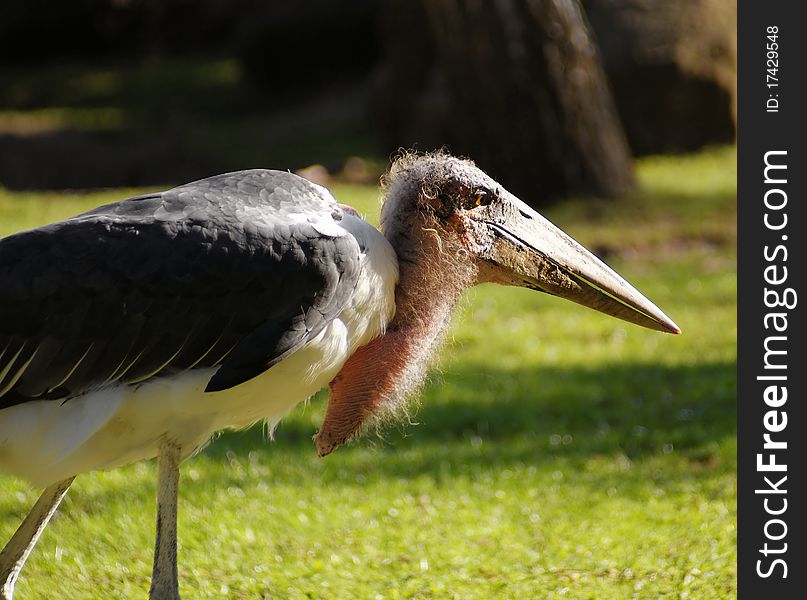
(15, 553)
(164, 583)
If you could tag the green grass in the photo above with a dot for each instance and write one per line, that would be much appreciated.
(556, 451)
(140, 119)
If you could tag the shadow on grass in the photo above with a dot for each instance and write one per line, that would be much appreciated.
(156, 122)
(475, 419)
(632, 409)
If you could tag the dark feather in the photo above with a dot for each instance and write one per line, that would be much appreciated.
(213, 273)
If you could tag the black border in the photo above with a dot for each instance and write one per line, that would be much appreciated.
(760, 131)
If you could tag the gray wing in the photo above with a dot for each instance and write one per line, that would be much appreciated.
(232, 271)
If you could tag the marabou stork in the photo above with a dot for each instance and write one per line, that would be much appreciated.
(141, 328)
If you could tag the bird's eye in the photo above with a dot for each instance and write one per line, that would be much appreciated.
(480, 198)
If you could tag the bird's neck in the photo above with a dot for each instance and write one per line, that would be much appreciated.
(379, 378)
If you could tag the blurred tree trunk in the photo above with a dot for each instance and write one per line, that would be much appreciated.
(672, 68)
(526, 95)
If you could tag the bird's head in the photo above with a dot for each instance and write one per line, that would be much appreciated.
(484, 229)
(452, 227)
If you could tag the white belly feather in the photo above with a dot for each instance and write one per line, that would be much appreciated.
(46, 441)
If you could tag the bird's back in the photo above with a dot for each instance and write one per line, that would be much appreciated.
(168, 282)
(210, 283)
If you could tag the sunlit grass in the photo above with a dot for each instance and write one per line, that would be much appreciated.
(137, 120)
(556, 451)
(57, 119)
(137, 85)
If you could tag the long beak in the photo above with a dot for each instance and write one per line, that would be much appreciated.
(528, 250)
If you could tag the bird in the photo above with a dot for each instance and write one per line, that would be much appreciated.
(141, 328)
